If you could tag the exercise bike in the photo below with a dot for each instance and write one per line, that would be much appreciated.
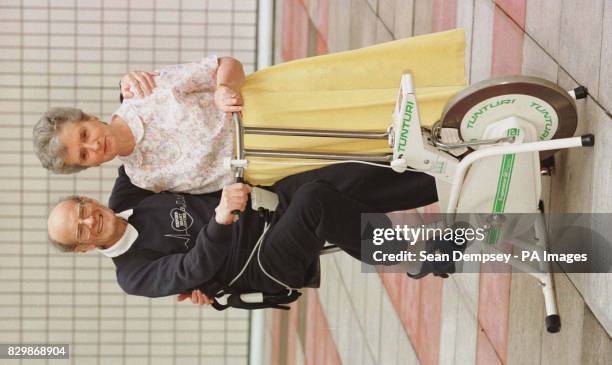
(484, 154)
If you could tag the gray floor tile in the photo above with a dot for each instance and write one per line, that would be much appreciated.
(278, 33)
(343, 331)
(345, 267)
(373, 4)
(526, 320)
(390, 333)
(594, 285)
(482, 42)
(358, 294)
(467, 328)
(580, 43)
(571, 186)
(459, 325)
(363, 24)
(313, 10)
(601, 127)
(375, 292)
(423, 16)
(465, 20)
(356, 340)
(448, 331)
(406, 355)
(382, 32)
(332, 304)
(605, 75)
(537, 63)
(404, 18)
(386, 13)
(572, 181)
(596, 343)
(578, 279)
(468, 285)
(543, 22)
(339, 26)
(565, 347)
(299, 353)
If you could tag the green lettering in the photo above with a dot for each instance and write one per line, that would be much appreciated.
(403, 140)
(547, 119)
(474, 117)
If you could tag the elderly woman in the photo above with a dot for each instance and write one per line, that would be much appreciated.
(173, 139)
(178, 137)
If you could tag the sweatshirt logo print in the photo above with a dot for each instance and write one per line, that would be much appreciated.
(180, 221)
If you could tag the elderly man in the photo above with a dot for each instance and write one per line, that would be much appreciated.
(164, 244)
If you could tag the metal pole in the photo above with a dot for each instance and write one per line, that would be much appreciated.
(239, 132)
(381, 157)
(315, 133)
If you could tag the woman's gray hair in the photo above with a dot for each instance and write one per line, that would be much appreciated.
(47, 145)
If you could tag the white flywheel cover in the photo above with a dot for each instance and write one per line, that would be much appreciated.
(534, 110)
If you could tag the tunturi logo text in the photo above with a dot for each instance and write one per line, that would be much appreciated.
(403, 140)
(547, 119)
(483, 109)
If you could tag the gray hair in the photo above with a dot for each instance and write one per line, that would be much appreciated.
(47, 145)
(66, 247)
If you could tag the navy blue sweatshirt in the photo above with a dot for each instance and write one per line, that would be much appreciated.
(180, 246)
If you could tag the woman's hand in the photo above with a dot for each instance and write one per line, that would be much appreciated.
(196, 297)
(227, 100)
(140, 82)
(233, 197)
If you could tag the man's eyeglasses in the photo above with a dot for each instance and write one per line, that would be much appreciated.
(83, 212)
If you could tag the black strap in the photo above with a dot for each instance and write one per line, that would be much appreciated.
(276, 301)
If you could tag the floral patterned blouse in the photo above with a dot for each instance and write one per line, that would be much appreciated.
(182, 139)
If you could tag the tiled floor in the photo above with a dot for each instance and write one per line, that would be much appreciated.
(471, 318)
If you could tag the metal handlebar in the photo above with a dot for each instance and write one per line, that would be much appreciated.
(436, 140)
(239, 138)
(238, 131)
(242, 152)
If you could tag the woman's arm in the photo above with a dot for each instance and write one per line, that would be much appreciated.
(230, 77)
(230, 73)
(190, 77)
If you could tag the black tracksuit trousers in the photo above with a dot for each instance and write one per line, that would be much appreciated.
(325, 205)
